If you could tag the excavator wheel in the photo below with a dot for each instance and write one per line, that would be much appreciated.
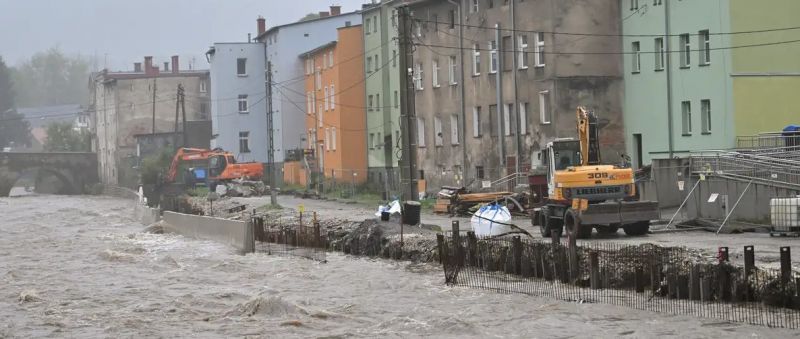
(574, 226)
(637, 228)
(610, 229)
(549, 225)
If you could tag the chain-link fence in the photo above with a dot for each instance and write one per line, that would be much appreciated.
(290, 237)
(648, 277)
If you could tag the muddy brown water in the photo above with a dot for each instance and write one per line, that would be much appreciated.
(80, 267)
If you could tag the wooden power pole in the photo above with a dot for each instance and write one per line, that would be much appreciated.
(154, 105)
(408, 120)
(272, 171)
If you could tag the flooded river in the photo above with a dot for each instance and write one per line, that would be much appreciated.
(80, 267)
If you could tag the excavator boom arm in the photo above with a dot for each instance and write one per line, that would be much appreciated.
(588, 135)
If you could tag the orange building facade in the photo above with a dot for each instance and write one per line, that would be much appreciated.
(335, 113)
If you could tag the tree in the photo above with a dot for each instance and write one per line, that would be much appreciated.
(50, 78)
(13, 126)
(62, 137)
(309, 16)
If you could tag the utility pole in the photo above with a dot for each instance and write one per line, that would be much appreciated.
(154, 105)
(177, 109)
(183, 113)
(272, 171)
(501, 142)
(667, 45)
(408, 119)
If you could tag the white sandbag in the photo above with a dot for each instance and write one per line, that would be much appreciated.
(393, 208)
(491, 220)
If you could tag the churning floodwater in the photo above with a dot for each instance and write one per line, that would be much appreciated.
(81, 267)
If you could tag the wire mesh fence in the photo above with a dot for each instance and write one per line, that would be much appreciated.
(647, 277)
(290, 237)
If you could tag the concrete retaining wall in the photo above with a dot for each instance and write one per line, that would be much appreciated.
(120, 192)
(238, 234)
(663, 183)
(146, 215)
(754, 206)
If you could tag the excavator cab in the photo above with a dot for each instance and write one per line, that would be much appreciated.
(218, 163)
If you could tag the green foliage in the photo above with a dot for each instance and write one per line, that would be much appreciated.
(309, 16)
(154, 166)
(51, 78)
(61, 137)
(13, 126)
(201, 191)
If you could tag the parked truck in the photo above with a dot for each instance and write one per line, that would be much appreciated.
(582, 193)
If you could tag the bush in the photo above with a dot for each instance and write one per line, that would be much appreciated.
(154, 167)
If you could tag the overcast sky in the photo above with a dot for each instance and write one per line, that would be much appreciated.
(121, 32)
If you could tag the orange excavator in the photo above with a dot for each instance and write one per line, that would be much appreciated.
(220, 166)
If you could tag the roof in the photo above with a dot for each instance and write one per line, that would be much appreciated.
(142, 75)
(45, 115)
(275, 28)
(317, 49)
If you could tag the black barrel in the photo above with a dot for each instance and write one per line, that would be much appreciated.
(411, 212)
(385, 216)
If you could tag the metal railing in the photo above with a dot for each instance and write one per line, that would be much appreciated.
(762, 168)
(767, 140)
(513, 179)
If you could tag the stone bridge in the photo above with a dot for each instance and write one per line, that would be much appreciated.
(73, 169)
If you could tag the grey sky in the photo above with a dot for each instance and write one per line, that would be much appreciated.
(123, 31)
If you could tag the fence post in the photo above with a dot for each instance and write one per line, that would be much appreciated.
(317, 237)
(694, 282)
(517, 252)
(440, 246)
(639, 279)
(456, 242)
(786, 265)
(724, 275)
(594, 267)
(749, 266)
(472, 242)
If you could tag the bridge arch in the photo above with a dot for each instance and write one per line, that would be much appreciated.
(74, 170)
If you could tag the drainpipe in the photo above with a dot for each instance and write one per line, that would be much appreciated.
(463, 120)
(499, 78)
(667, 40)
(514, 77)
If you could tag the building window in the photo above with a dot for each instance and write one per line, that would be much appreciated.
(309, 103)
(369, 102)
(453, 67)
(705, 47)
(522, 57)
(454, 137)
(474, 8)
(203, 112)
(318, 77)
(396, 100)
(309, 68)
(634, 5)
(333, 97)
(327, 140)
(394, 58)
(333, 138)
(686, 51)
(369, 64)
(523, 118)
(244, 142)
(452, 18)
(368, 25)
(480, 173)
(508, 120)
(493, 56)
(243, 103)
(325, 93)
(371, 141)
(656, 2)
(203, 86)
(686, 110)
(241, 66)
(493, 120)
(435, 74)
(377, 63)
(705, 111)
(378, 102)
(420, 132)
(375, 24)
(539, 50)
(476, 60)
(544, 107)
(324, 62)
(636, 57)
(659, 43)
(418, 77)
(438, 137)
(476, 122)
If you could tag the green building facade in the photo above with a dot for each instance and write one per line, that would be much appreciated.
(677, 85)
(382, 92)
(766, 79)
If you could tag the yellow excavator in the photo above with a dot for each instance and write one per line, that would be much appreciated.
(583, 194)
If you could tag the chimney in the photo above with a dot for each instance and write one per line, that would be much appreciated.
(166, 66)
(336, 10)
(137, 67)
(324, 14)
(262, 25)
(175, 65)
(148, 65)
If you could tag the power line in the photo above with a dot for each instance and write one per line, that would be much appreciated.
(612, 53)
(611, 34)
